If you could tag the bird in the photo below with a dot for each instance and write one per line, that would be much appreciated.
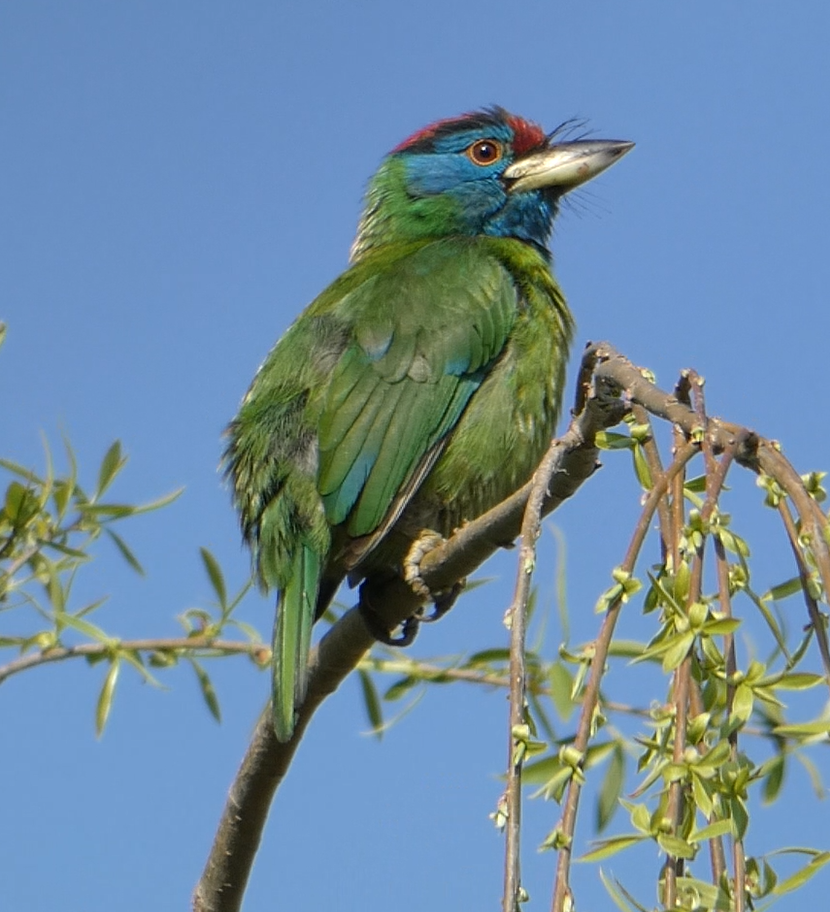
(423, 385)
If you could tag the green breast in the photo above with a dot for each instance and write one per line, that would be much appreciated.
(509, 422)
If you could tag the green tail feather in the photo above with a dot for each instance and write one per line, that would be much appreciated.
(292, 639)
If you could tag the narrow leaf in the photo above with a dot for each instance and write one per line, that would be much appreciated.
(608, 847)
(87, 628)
(713, 831)
(371, 702)
(794, 881)
(611, 788)
(208, 692)
(125, 551)
(214, 572)
(111, 465)
(104, 705)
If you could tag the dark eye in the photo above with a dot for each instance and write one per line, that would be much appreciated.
(485, 152)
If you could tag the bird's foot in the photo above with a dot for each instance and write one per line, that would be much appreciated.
(378, 629)
(427, 541)
(442, 601)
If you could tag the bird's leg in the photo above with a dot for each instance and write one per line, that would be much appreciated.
(441, 601)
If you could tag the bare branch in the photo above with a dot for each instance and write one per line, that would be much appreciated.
(174, 645)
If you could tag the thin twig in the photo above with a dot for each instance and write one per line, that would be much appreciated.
(517, 616)
(203, 645)
(567, 825)
(813, 610)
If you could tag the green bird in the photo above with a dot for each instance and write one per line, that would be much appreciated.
(422, 387)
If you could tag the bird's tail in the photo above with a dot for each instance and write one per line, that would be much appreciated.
(292, 639)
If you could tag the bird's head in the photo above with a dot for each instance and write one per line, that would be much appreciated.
(484, 173)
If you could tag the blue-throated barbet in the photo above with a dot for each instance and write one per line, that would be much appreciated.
(422, 386)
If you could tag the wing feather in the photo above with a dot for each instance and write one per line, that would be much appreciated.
(425, 337)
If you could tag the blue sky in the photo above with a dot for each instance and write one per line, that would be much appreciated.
(178, 181)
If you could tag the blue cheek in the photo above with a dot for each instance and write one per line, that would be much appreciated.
(436, 173)
(477, 191)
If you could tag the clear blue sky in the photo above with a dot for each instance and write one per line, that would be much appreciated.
(178, 181)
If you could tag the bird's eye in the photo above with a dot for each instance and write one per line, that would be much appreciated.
(485, 152)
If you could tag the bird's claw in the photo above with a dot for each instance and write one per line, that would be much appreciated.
(442, 602)
(376, 626)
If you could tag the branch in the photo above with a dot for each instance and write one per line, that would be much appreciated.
(201, 645)
(519, 731)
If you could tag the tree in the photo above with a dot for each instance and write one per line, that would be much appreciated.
(721, 731)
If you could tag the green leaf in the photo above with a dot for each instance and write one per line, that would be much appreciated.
(703, 895)
(159, 502)
(774, 778)
(803, 729)
(712, 831)
(798, 681)
(17, 469)
(641, 469)
(125, 551)
(104, 705)
(771, 622)
(743, 703)
(675, 846)
(208, 691)
(609, 440)
(107, 511)
(696, 485)
(740, 816)
(214, 572)
(69, 552)
(624, 901)
(133, 657)
(488, 657)
(702, 798)
(400, 687)
(815, 777)
(721, 626)
(88, 629)
(783, 590)
(678, 651)
(21, 505)
(371, 702)
(605, 848)
(111, 465)
(611, 788)
(561, 684)
(794, 881)
(540, 771)
(61, 496)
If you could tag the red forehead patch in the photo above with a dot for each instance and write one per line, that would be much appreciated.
(527, 135)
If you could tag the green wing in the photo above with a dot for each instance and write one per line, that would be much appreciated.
(425, 334)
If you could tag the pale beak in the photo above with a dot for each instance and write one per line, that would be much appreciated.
(565, 165)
